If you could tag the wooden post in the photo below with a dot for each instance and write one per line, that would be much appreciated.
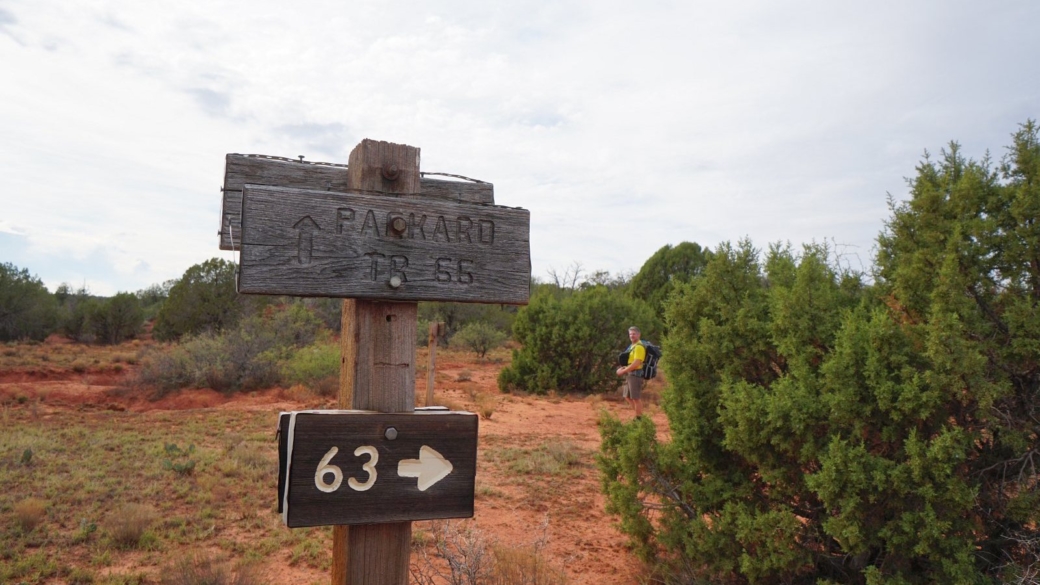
(377, 373)
(432, 367)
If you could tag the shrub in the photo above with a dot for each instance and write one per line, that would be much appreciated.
(249, 356)
(328, 310)
(315, 366)
(85, 531)
(187, 365)
(116, 319)
(127, 524)
(29, 513)
(179, 460)
(76, 311)
(826, 432)
(570, 343)
(479, 337)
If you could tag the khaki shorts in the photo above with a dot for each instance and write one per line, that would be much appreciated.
(633, 386)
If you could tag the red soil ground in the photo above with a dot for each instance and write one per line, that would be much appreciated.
(582, 538)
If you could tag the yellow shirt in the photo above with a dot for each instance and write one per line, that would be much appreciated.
(636, 352)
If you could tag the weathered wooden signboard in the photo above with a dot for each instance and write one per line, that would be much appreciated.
(357, 245)
(250, 169)
(361, 467)
(382, 236)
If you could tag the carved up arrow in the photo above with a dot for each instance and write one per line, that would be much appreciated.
(430, 467)
(305, 244)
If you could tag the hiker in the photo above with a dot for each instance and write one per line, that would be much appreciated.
(633, 387)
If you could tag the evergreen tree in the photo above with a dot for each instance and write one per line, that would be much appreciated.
(826, 432)
(662, 272)
(203, 300)
(27, 309)
(152, 298)
(117, 319)
(76, 309)
(960, 266)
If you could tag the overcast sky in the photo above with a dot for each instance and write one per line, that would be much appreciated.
(621, 126)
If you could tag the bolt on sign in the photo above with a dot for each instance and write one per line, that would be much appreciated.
(360, 467)
(357, 245)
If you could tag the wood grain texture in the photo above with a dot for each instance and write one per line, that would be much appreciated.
(377, 556)
(243, 169)
(348, 349)
(391, 498)
(385, 167)
(385, 374)
(313, 243)
(375, 338)
(377, 545)
(345, 399)
(340, 557)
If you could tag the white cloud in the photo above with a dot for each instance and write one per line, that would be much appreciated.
(622, 127)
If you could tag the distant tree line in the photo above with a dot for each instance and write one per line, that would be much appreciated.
(28, 311)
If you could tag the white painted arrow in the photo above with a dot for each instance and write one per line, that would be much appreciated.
(430, 467)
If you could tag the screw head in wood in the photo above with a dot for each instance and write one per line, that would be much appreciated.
(398, 225)
(390, 434)
(395, 281)
(390, 173)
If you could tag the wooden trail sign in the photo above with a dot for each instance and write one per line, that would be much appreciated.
(358, 232)
(356, 245)
(251, 169)
(356, 467)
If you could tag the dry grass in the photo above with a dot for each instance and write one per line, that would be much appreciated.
(486, 405)
(550, 458)
(76, 357)
(327, 387)
(251, 456)
(300, 393)
(524, 565)
(87, 463)
(29, 513)
(464, 555)
(207, 570)
(127, 525)
(441, 400)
